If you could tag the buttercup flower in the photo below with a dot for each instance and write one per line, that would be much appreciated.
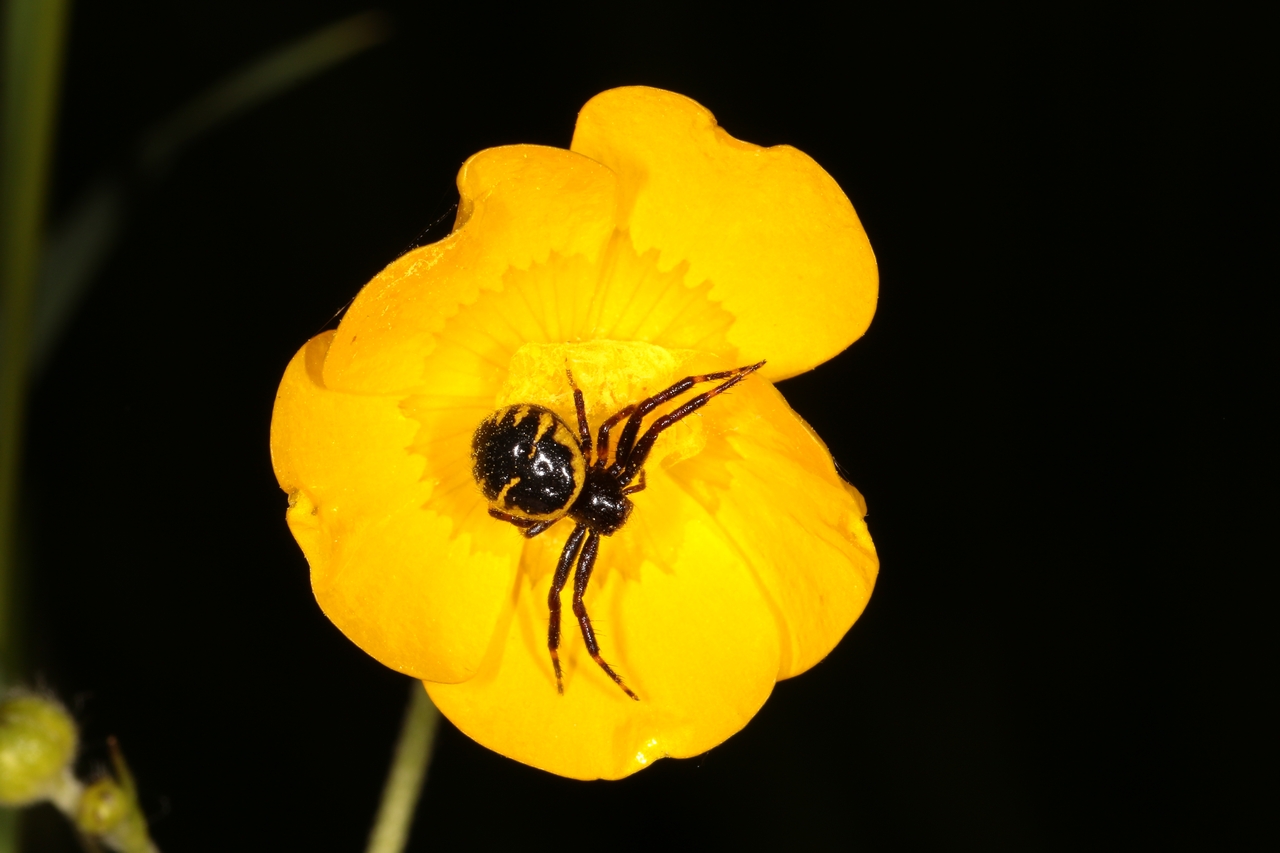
(656, 247)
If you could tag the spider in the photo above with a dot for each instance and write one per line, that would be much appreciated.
(534, 471)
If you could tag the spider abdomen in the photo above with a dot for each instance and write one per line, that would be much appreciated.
(527, 463)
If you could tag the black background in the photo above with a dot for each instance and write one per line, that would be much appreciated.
(1045, 417)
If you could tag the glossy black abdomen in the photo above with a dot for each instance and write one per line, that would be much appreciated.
(521, 462)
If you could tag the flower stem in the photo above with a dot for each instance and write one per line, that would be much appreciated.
(408, 772)
(31, 58)
(32, 53)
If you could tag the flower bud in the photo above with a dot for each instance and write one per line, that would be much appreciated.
(103, 807)
(37, 745)
(109, 811)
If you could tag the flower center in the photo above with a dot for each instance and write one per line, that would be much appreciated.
(611, 374)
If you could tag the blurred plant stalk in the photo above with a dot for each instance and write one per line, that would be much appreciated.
(34, 31)
(408, 772)
(81, 239)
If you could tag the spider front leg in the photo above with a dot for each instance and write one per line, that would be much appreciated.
(586, 562)
(602, 442)
(626, 468)
(630, 432)
(567, 557)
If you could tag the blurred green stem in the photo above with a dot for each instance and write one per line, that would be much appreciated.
(273, 74)
(33, 36)
(408, 772)
(80, 241)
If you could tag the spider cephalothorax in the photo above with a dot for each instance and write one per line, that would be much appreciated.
(534, 471)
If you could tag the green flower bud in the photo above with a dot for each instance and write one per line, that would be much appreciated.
(103, 807)
(37, 745)
(109, 811)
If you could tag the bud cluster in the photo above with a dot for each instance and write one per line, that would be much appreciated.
(38, 745)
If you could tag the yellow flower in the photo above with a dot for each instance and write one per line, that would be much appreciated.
(656, 247)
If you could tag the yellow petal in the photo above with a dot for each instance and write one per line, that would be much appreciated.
(695, 640)
(396, 577)
(518, 205)
(771, 486)
(772, 232)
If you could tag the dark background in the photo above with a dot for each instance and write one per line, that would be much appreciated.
(1047, 418)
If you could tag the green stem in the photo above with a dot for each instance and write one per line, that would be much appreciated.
(8, 830)
(275, 73)
(32, 58)
(33, 36)
(408, 772)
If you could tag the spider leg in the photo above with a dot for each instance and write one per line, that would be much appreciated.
(528, 527)
(632, 430)
(538, 528)
(602, 442)
(637, 487)
(586, 563)
(634, 462)
(584, 431)
(567, 557)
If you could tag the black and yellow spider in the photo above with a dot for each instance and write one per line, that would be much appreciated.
(534, 472)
